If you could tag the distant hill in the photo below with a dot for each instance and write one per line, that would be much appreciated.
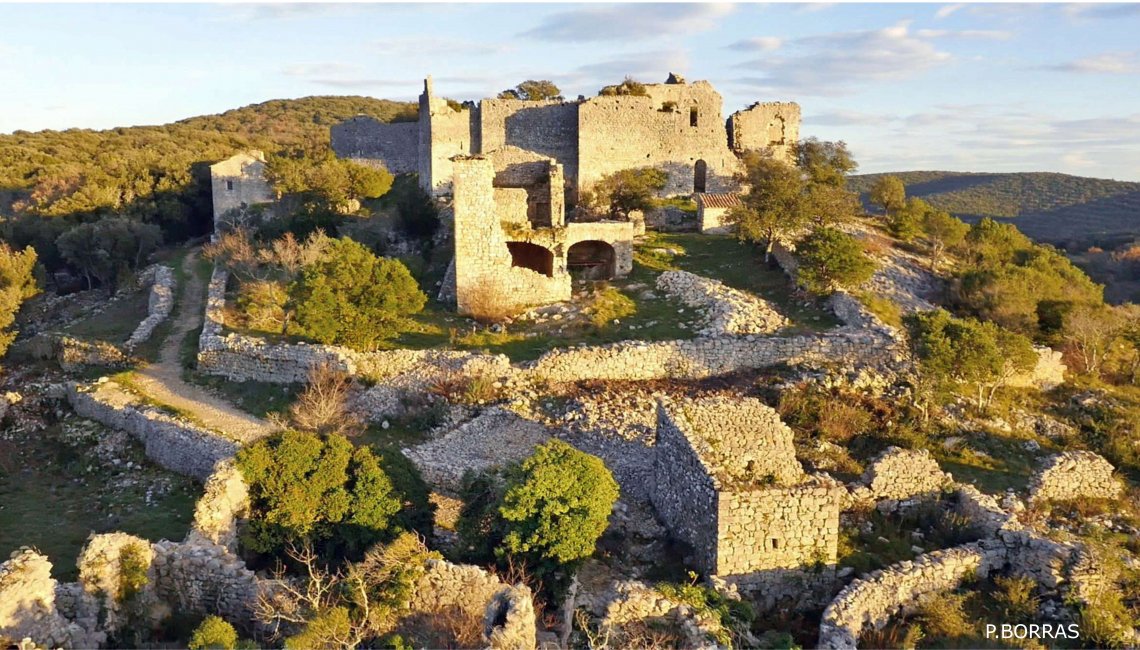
(156, 173)
(1057, 208)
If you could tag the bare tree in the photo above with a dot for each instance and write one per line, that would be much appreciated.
(323, 406)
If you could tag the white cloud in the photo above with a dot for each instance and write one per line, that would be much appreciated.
(946, 10)
(1107, 63)
(757, 44)
(840, 62)
(433, 46)
(987, 34)
(1101, 11)
(627, 22)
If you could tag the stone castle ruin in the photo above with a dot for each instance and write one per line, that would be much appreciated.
(515, 169)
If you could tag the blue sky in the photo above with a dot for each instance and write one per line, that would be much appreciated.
(974, 87)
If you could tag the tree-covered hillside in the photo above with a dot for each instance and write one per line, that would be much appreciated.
(159, 174)
(1052, 207)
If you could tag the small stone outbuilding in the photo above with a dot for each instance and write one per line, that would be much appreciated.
(727, 482)
(239, 185)
(712, 211)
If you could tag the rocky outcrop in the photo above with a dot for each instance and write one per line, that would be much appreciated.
(727, 311)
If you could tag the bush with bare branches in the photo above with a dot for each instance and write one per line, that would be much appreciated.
(323, 406)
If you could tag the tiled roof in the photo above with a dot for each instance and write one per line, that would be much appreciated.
(729, 200)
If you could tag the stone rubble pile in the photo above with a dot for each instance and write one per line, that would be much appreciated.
(901, 474)
(727, 311)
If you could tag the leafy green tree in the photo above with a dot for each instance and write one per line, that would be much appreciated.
(889, 193)
(309, 489)
(906, 222)
(831, 259)
(774, 206)
(416, 213)
(558, 505)
(944, 232)
(103, 249)
(954, 352)
(627, 190)
(533, 90)
(825, 163)
(330, 179)
(1091, 331)
(629, 86)
(17, 284)
(213, 633)
(351, 297)
(991, 243)
(548, 511)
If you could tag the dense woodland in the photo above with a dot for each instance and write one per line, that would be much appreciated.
(51, 181)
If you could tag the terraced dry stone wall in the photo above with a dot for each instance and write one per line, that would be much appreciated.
(1074, 475)
(727, 311)
(245, 358)
(178, 445)
(160, 302)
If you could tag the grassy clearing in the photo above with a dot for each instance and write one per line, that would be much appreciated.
(115, 323)
(259, 399)
(54, 492)
(992, 461)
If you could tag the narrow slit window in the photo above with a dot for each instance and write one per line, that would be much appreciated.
(692, 117)
(775, 544)
(229, 186)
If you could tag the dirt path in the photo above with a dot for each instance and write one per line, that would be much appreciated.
(163, 382)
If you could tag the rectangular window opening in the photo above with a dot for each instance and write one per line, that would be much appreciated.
(229, 186)
(775, 544)
(692, 117)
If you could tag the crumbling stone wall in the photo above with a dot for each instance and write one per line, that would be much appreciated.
(1047, 373)
(204, 579)
(509, 621)
(548, 128)
(160, 302)
(74, 354)
(1074, 475)
(394, 145)
(626, 132)
(223, 505)
(175, 444)
(483, 265)
(875, 599)
(766, 125)
(507, 612)
(897, 474)
(28, 605)
(727, 311)
(444, 133)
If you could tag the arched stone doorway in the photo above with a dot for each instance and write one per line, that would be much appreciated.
(531, 256)
(700, 176)
(591, 260)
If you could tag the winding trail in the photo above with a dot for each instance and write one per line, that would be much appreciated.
(163, 381)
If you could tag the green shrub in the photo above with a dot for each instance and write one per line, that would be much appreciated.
(944, 616)
(624, 191)
(831, 259)
(416, 213)
(549, 511)
(213, 633)
(886, 309)
(323, 631)
(306, 488)
(629, 86)
(133, 568)
(734, 615)
(1016, 597)
(17, 284)
(353, 298)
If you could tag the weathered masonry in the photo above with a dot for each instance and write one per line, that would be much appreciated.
(727, 482)
(238, 184)
(677, 127)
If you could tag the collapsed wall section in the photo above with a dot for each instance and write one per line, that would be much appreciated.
(766, 125)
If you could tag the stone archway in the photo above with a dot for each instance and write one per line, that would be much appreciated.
(700, 176)
(591, 260)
